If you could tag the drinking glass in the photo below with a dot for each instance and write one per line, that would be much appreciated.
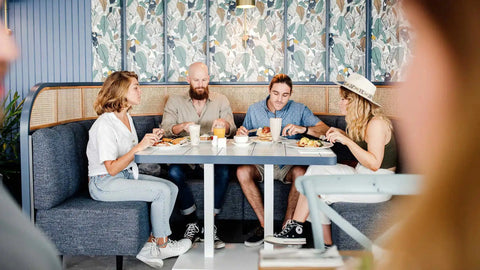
(219, 130)
(275, 128)
(194, 134)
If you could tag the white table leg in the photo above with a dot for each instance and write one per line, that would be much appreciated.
(208, 208)
(268, 196)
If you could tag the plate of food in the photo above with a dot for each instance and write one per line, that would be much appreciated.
(206, 138)
(170, 143)
(309, 144)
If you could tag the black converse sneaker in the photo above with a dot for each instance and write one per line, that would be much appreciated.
(192, 232)
(217, 242)
(292, 234)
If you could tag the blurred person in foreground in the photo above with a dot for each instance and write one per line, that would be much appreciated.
(440, 229)
(22, 245)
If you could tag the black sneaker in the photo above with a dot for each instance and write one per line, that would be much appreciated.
(217, 243)
(192, 232)
(292, 234)
(256, 239)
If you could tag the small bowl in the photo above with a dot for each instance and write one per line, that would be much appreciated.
(240, 139)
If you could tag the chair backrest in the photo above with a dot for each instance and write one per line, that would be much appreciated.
(314, 185)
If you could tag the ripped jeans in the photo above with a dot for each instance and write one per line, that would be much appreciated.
(123, 187)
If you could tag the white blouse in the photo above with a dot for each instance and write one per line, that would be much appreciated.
(110, 139)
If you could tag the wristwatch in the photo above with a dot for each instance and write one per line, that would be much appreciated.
(306, 131)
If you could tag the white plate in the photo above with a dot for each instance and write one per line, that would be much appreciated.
(242, 144)
(170, 147)
(257, 140)
(293, 144)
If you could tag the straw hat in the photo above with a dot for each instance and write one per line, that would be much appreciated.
(360, 86)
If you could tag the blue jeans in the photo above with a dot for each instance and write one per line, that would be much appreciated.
(122, 187)
(179, 173)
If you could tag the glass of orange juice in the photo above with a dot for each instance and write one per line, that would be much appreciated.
(219, 130)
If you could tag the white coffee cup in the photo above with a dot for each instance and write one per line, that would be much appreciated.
(240, 139)
(275, 128)
(194, 134)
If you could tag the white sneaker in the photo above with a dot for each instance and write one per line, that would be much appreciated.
(175, 248)
(150, 255)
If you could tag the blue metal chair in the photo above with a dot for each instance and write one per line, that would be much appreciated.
(314, 185)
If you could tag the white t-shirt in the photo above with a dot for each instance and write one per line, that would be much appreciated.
(109, 139)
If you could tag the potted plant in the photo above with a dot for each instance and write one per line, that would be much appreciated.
(11, 109)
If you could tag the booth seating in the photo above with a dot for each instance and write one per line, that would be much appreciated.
(55, 193)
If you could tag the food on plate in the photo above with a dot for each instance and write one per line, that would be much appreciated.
(306, 142)
(170, 141)
(264, 134)
(206, 137)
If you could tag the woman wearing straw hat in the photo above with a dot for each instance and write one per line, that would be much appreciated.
(369, 137)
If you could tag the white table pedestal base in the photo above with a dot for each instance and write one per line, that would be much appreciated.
(232, 257)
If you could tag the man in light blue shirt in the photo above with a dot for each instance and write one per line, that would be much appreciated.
(297, 120)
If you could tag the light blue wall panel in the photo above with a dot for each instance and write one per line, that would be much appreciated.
(54, 38)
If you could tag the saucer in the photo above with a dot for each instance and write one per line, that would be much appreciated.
(242, 144)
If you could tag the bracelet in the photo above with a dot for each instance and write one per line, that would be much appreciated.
(306, 131)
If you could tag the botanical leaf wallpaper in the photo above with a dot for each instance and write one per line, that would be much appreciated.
(249, 45)
(254, 57)
(306, 40)
(391, 41)
(186, 36)
(144, 28)
(106, 38)
(347, 38)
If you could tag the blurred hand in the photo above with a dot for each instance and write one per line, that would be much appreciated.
(159, 132)
(292, 129)
(334, 135)
(186, 125)
(242, 131)
(148, 140)
(220, 122)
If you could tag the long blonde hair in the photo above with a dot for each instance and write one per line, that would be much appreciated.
(112, 96)
(359, 112)
(441, 229)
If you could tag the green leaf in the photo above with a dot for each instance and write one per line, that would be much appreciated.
(103, 53)
(245, 61)
(299, 58)
(141, 34)
(340, 25)
(261, 27)
(181, 55)
(221, 34)
(319, 7)
(199, 5)
(129, 3)
(159, 9)
(213, 28)
(377, 57)
(377, 28)
(132, 28)
(259, 53)
(221, 61)
(301, 33)
(278, 4)
(103, 25)
(182, 27)
(339, 53)
(141, 60)
(291, 28)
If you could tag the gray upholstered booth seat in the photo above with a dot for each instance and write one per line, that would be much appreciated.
(370, 218)
(82, 226)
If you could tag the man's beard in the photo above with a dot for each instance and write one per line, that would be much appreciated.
(194, 95)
